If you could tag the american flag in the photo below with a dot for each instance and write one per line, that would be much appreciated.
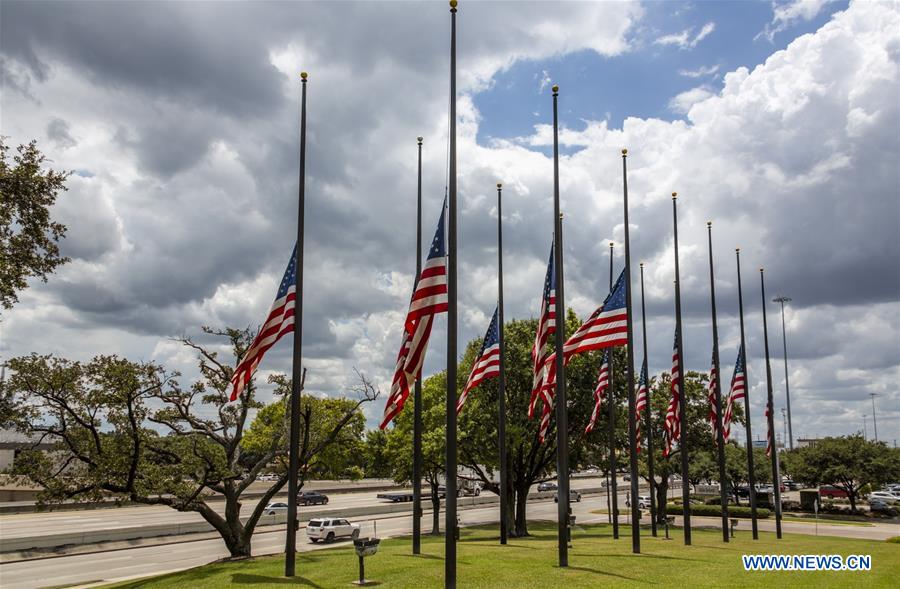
(640, 403)
(738, 391)
(769, 432)
(605, 328)
(599, 391)
(546, 328)
(673, 414)
(279, 322)
(487, 363)
(429, 298)
(711, 397)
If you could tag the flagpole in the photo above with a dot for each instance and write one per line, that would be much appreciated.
(632, 433)
(501, 385)
(562, 426)
(451, 526)
(682, 401)
(747, 428)
(417, 393)
(290, 549)
(720, 438)
(646, 370)
(611, 423)
(776, 476)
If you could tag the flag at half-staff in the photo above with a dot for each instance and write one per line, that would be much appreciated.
(737, 392)
(711, 398)
(429, 298)
(487, 363)
(672, 422)
(641, 402)
(546, 328)
(599, 391)
(279, 322)
(606, 327)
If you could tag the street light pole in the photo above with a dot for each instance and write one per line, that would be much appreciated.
(874, 422)
(787, 386)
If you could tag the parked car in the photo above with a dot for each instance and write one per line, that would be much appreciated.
(573, 496)
(643, 501)
(893, 488)
(311, 498)
(830, 492)
(881, 506)
(267, 478)
(743, 492)
(547, 486)
(329, 530)
(790, 485)
(275, 508)
(884, 496)
(626, 478)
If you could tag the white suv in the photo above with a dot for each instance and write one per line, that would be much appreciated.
(328, 530)
(643, 501)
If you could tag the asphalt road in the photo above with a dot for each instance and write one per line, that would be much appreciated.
(126, 563)
(38, 524)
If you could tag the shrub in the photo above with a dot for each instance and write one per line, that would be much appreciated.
(893, 540)
(715, 510)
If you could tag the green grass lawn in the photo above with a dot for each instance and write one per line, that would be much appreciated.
(596, 560)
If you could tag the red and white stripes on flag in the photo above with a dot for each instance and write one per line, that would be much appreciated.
(672, 423)
(279, 322)
(539, 351)
(408, 368)
(487, 364)
(428, 299)
(711, 397)
(738, 392)
(599, 392)
(641, 402)
(769, 432)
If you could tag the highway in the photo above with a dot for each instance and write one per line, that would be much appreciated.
(127, 563)
(39, 524)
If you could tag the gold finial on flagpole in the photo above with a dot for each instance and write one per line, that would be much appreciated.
(499, 185)
(452, 4)
(624, 152)
(555, 89)
(303, 76)
(737, 249)
(419, 139)
(709, 223)
(674, 195)
(641, 264)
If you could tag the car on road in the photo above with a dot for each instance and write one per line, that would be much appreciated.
(275, 508)
(547, 486)
(312, 498)
(881, 506)
(743, 492)
(884, 496)
(643, 501)
(830, 492)
(267, 478)
(330, 529)
(790, 485)
(573, 496)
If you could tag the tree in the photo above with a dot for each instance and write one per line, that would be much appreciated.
(375, 460)
(736, 467)
(699, 436)
(398, 449)
(849, 463)
(104, 417)
(529, 461)
(28, 235)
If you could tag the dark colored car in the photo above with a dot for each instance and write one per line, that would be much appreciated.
(311, 498)
(743, 492)
(547, 486)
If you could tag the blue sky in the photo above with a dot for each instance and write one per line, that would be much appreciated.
(640, 82)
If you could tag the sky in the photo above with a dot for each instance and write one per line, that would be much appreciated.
(779, 122)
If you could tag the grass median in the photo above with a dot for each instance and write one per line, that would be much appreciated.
(595, 560)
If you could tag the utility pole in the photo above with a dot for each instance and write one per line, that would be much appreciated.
(874, 422)
(865, 430)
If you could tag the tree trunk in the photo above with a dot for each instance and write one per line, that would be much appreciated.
(435, 511)
(521, 527)
(852, 497)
